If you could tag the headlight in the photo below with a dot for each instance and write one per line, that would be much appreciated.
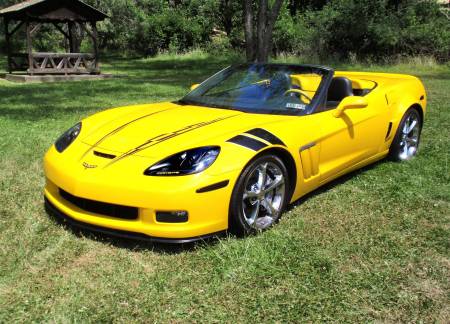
(187, 162)
(67, 138)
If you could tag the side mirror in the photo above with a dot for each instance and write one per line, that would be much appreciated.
(194, 86)
(353, 102)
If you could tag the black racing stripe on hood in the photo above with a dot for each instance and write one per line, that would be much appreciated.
(247, 142)
(164, 137)
(118, 129)
(265, 135)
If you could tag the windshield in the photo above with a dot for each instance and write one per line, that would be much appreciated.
(261, 88)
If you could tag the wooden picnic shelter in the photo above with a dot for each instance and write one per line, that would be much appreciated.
(67, 16)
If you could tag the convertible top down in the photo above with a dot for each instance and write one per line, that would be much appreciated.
(231, 154)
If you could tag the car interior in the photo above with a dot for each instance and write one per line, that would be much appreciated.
(340, 87)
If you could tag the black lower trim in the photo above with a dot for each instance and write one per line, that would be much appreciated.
(266, 135)
(53, 211)
(212, 187)
(247, 142)
(101, 208)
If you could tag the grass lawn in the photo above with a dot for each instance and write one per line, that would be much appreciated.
(371, 246)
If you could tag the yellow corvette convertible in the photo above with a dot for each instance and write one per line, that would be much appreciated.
(231, 154)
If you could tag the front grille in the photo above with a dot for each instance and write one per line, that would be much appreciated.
(101, 208)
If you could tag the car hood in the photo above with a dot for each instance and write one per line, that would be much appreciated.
(161, 129)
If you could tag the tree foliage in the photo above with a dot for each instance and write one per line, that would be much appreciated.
(317, 28)
(379, 28)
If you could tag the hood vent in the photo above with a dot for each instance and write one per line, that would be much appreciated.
(104, 155)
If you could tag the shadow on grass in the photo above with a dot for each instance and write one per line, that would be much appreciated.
(33, 102)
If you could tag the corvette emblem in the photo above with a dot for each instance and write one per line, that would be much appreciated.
(89, 166)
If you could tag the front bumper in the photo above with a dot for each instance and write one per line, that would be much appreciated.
(53, 211)
(207, 211)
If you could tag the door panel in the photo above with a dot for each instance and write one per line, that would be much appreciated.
(351, 138)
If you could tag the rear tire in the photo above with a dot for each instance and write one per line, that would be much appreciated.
(260, 196)
(407, 138)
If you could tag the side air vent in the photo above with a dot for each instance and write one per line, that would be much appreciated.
(389, 131)
(104, 155)
(309, 155)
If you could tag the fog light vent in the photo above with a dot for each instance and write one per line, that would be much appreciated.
(172, 216)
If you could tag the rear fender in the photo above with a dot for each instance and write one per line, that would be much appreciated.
(400, 100)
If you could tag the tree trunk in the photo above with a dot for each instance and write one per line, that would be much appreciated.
(266, 19)
(250, 50)
(76, 36)
(268, 33)
(8, 44)
(261, 30)
(30, 49)
(227, 15)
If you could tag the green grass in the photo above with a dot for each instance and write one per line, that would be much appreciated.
(373, 246)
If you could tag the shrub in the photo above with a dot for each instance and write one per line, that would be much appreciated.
(376, 29)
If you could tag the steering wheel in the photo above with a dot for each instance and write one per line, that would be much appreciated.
(298, 91)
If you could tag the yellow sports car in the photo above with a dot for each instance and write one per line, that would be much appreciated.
(231, 154)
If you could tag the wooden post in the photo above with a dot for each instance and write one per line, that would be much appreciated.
(8, 45)
(30, 49)
(96, 51)
(71, 42)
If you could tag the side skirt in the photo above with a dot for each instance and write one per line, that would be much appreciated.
(359, 165)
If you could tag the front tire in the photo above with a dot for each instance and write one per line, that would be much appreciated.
(406, 141)
(259, 196)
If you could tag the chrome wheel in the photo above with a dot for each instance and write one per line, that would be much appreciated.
(409, 140)
(264, 194)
